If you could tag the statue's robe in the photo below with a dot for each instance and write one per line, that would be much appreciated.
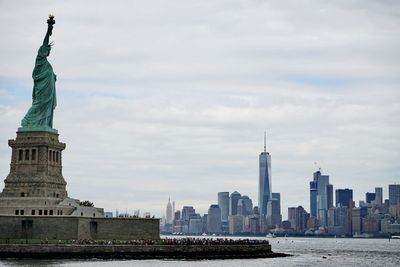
(44, 92)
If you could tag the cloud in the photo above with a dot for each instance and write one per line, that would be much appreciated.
(171, 98)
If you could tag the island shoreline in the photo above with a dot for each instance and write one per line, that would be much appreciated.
(178, 252)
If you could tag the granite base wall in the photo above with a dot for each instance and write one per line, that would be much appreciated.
(68, 228)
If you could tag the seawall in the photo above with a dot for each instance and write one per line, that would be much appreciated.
(61, 251)
(74, 228)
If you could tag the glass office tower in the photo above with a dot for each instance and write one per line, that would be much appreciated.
(264, 189)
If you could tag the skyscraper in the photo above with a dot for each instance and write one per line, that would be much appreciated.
(223, 203)
(344, 197)
(277, 196)
(321, 193)
(187, 211)
(169, 212)
(369, 197)
(233, 202)
(195, 224)
(214, 219)
(235, 224)
(329, 191)
(324, 194)
(264, 190)
(357, 219)
(394, 194)
(274, 216)
(292, 216)
(177, 215)
(378, 196)
(313, 198)
(298, 218)
(245, 206)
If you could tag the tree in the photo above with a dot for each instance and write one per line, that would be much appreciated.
(86, 203)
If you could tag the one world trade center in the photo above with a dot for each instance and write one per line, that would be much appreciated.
(264, 185)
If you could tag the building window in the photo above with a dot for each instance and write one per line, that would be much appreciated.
(33, 154)
(45, 212)
(33, 212)
(57, 157)
(22, 194)
(57, 195)
(22, 212)
(26, 154)
(94, 214)
(16, 212)
(81, 213)
(50, 155)
(40, 212)
(20, 153)
(60, 212)
(54, 156)
(51, 212)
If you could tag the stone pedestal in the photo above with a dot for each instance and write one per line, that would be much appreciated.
(36, 166)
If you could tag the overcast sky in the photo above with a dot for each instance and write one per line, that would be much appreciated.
(171, 98)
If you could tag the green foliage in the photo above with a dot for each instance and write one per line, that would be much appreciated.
(86, 203)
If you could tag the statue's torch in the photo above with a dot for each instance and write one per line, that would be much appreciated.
(51, 20)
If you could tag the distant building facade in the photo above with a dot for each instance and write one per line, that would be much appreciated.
(195, 224)
(169, 216)
(329, 192)
(313, 198)
(394, 194)
(321, 197)
(298, 218)
(344, 197)
(186, 212)
(379, 196)
(322, 184)
(214, 219)
(223, 203)
(369, 197)
(235, 224)
(245, 206)
(274, 216)
(233, 202)
(108, 214)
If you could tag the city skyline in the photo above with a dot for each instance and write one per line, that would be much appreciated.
(343, 197)
(334, 216)
(174, 100)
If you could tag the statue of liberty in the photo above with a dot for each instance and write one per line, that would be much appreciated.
(40, 116)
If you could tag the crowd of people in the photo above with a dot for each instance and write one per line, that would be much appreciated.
(166, 241)
(212, 241)
(145, 242)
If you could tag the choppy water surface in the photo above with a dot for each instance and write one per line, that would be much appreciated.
(305, 251)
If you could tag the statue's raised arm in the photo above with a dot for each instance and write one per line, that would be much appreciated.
(40, 116)
(50, 23)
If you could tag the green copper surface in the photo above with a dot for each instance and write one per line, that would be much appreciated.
(41, 128)
(40, 115)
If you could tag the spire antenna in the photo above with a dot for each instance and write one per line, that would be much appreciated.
(265, 141)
